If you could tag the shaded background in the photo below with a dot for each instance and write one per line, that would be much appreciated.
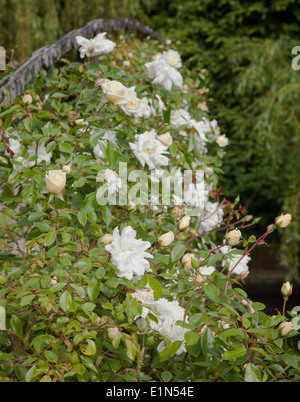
(245, 48)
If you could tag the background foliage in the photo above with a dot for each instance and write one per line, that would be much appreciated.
(245, 46)
(27, 25)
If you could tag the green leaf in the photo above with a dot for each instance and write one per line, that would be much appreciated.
(131, 349)
(110, 153)
(64, 147)
(177, 252)
(50, 356)
(17, 326)
(291, 360)
(212, 292)
(166, 376)
(155, 286)
(252, 373)
(49, 239)
(82, 217)
(107, 216)
(233, 354)
(26, 300)
(93, 288)
(65, 301)
(191, 338)
(169, 350)
(2, 318)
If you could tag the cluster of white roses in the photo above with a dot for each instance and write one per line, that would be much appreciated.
(163, 70)
(150, 148)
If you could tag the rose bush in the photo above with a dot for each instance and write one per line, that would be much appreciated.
(99, 279)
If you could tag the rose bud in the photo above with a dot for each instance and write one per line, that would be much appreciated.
(184, 223)
(233, 237)
(106, 239)
(56, 182)
(165, 139)
(286, 289)
(187, 261)
(112, 332)
(285, 328)
(166, 239)
(66, 169)
(283, 221)
(27, 99)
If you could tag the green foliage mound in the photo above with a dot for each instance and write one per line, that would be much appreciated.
(93, 290)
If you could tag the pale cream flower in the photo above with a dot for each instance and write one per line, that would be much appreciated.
(166, 239)
(222, 140)
(184, 223)
(27, 99)
(233, 237)
(166, 139)
(56, 182)
(283, 221)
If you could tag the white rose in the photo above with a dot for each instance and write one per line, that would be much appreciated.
(222, 140)
(173, 58)
(116, 92)
(56, 182)
(162, 73)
